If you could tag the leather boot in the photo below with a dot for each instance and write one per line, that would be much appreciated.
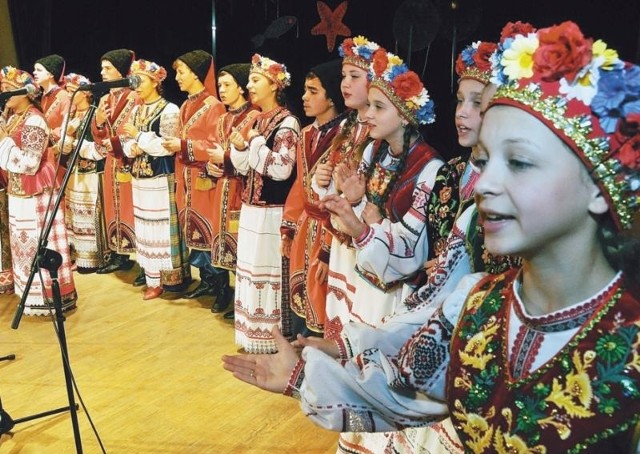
(206, 286)
(140, 279)
(223, 293)
(116, 263)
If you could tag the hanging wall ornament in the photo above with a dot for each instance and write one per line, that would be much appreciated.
(459, 19)
(331, 24)
(275, 30)
(415, 25)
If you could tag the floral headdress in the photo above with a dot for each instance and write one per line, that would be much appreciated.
(474, 61)
(357, 51)
(402, 86)
(16, 77)
(150, 69)
(73, 80)
(272, 70)
(588, 97)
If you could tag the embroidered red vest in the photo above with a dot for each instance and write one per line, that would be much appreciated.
(586, 398)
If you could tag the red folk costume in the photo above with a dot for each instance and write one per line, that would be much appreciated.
(118, 201)
(54, 103)
(302, 221)
(195, 189)
(227, 198)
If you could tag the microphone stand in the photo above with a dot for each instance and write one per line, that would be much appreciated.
(51, 261)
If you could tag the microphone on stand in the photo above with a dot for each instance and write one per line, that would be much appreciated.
(28, 89)
(132, 81)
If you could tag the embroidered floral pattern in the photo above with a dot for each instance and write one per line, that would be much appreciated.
(569, 396)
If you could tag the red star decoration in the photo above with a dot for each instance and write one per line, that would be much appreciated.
(331, 23)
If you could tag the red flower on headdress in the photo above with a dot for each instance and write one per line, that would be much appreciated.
(481, 57)
(255, 59)
(407, 85)
(563, 52)
(460, 66)
(516, 28)
(629, 154)
(627, 141)
(347, 47)
(275, 69)
(380, 61)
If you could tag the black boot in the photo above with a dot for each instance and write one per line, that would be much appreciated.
(206, 286)
(223, 294)
(140, 279)
(117, 262)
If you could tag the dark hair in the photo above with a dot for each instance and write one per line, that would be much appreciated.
(281, 97)
(622, 249)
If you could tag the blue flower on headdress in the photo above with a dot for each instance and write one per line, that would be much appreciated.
(467, 55)
(365, 52)
(396, 70)
(426, 114)
(618, 95)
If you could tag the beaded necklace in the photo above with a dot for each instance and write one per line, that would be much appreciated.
(380, 181)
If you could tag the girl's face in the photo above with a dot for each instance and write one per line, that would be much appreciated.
(468, 110)
(14, 101)
(41, 75)
(147, 87)
(383, 117)
(79, 97)
(534, 196)
(354, 86)
(261, 90)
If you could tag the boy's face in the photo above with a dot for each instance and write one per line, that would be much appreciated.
(314, 99)
(229, 90)
(468, 108)
(184, 76)
(534, 196)
(108, 71)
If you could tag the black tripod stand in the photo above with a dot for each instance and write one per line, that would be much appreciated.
(51, 261)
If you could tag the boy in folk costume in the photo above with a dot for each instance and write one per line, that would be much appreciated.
(113, 112)
(199, 115)
(241, 116)
(302, 222)
(48, 73)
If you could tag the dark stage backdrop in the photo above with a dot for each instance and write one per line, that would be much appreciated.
(82, 30)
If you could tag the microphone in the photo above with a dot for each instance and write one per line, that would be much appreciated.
(28, 89)
(132, 81)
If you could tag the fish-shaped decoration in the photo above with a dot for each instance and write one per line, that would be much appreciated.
(275, 29)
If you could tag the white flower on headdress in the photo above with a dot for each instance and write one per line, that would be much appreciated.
(585, 85)
(518, 58)
(419, 100)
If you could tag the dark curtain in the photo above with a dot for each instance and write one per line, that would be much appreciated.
(31, 22)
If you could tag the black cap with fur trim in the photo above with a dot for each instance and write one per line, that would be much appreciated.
(121, 59)
(239, 71)
(53, 63)
(330, 74)
(198, 61)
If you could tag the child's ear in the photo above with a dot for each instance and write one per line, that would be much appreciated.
(598, 203)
